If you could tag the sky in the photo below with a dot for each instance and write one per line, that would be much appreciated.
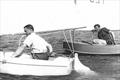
(46, 15)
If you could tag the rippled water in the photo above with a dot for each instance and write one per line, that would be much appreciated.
(72, 76)
(107, 67)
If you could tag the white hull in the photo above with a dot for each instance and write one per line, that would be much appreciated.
(28, 66)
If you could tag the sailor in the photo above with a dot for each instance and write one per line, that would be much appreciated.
(40, 49)
(105, 36)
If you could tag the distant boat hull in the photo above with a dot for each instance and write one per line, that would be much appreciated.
(92, 49)
(20, 66)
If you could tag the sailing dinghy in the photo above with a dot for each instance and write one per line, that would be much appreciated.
(24, 65)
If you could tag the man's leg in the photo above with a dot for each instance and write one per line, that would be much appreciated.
(41, 56)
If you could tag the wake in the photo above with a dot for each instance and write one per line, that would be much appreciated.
(82, 69)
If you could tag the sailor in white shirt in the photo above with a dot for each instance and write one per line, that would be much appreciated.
(40, 49)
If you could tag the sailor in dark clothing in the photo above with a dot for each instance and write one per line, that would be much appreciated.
(104, 34)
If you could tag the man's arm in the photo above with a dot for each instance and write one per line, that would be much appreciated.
(49, 47)
(19, 51)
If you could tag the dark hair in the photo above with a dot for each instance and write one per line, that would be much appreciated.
(29, 26)
(96, 25)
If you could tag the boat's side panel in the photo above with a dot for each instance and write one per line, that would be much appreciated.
(93, 49)
(34, 70)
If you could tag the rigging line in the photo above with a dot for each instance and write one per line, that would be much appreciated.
(71, 37)
(67, 41)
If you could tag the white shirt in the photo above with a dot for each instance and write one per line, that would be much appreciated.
(36, 43)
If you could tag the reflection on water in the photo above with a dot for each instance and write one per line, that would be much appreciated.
(105, 64)
(73, 76)
(106, 67)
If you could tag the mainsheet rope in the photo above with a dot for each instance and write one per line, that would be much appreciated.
(71, 38)
(67, 41)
